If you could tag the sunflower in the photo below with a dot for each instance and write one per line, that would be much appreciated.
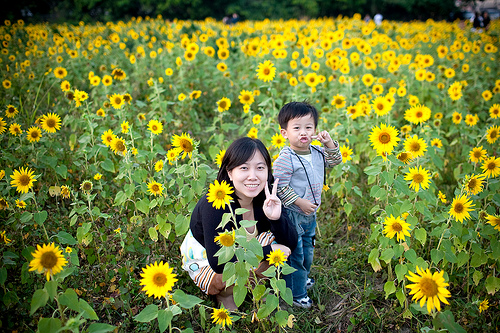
(65, 86)
(483, 306)
(419, 177)
(155, 126)
(195, 94)
(155, 188)
(416, 146)
(101, 113)
(460, 208)
(158, 279)
(494, 221)
(222, 67)
(223, 104)
(225, 238)
(266, 71)
(253, 133)
(442, 197)
(256, 119)
(172, 155)
(159, 165)
(492, 134)
(107, 80)
(491, 167)
(456, 117)
(118, 146)
(377, 89)
(97, 176)
(395, 226)
(437, 143)
(495, 111)
(368, 79)
(60, 72)
(223, 54)
(11, 111)
(6, 84)
(429, 288)
(47, 259)
(4, 204)
(65, 192)
(118, 74)
(15, 129)
(22, 180)
(276, 257)
(246, 97)
(346, 153)
(338, 101)
(381, 106)
(33, 134)
(107, 137)
(474, 184)
(184, 143)
(50, 122)
(405, 157)
(86, 186)
(477, 154)
(487, 95)
(219, 157)
(221, 317)
(219, 194)
(384, 139)
(116, 101)
(181, 97)
(418, 114)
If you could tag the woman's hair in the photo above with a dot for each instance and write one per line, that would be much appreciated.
(238, 153)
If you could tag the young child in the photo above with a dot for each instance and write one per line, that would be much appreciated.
(300, 169)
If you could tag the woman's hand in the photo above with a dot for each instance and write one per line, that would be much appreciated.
(285, 249)
(272, 204)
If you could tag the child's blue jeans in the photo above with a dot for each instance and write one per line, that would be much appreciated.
(302, 257)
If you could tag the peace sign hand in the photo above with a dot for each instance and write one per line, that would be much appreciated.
(272, 204)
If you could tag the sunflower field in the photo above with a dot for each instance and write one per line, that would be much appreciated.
(111, 132)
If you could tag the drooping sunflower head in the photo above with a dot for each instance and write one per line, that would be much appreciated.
(405, 157)
(47, 259)
(158, 279)
(226, 239)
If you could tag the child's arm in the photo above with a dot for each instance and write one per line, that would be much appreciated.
(332, 149)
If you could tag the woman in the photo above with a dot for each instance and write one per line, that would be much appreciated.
(246, 167)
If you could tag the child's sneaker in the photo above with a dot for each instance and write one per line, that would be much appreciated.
(305, 302)
(309, 283)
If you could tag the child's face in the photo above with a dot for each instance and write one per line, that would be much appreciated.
(299, 132)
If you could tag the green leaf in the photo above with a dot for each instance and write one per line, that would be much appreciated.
(108, 165)
(149, 313)
(143, 205)
(478, 259)
(373, 260)
(184, 300)
(477, 276)
(240, 211)
(421, 235)
(51, 287)
(348, 208)
(3, 275)
(239, 293)
(281, 318)
(287, 269)
(389, 288)
(401, 297)
(446, 320)
(49, 325)
(258, 292)
(436, 256)
(66, 238)
(119, 198)
(492, 285)
(411, 255)
(101, 328)
(40, 217)
(39, 299)
(86, 310)
(387, 255)
(400, 270)
(70, 299)
(164, 319)
(373, 170)
(268, 307)
(153, 234)
(62, 170)
(287, 296)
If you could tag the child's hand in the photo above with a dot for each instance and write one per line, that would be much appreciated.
(325, 138)
(307, 206)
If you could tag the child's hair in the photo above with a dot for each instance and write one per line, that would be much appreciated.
(294, 110)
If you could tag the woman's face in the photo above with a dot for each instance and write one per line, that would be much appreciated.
(250, 177)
